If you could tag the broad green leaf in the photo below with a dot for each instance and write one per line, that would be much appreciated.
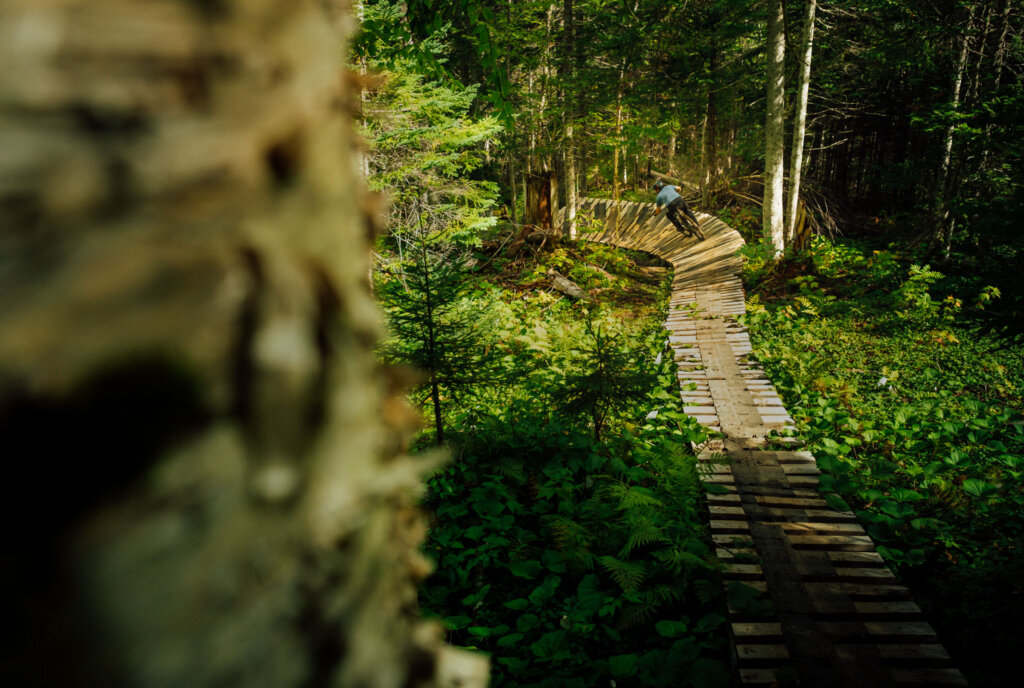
(623, 666)
(525, 569)
(552, 646)
(709, 622)
(545, 591)
(527, 622)
(978, 488)
(710, 673)
(671, 629)
(902, 494)
(588, 592)
(510, 640)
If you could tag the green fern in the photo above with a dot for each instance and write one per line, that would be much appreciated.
(679, 561)
(650, 602)
(638, 614)
(642, 533)
(630, 575)
(633, 497)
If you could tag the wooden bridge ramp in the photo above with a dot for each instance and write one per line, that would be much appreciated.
(840, 620)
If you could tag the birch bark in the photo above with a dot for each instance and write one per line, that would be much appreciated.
(772, 210)
(800, 123)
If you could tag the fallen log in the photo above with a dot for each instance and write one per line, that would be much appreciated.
(566, 286)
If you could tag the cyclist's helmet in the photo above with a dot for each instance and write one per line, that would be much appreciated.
(658, 185)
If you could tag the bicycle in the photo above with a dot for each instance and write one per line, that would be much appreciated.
(690, 228)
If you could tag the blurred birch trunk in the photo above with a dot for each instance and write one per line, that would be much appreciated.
(210, 488)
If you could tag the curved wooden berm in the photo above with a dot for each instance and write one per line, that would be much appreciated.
(840, 617)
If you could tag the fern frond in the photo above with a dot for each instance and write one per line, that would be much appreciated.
(667, 594)
(644, 533)
(628, 574)
(567, 533)
(679, 561)
(509, 467)
(633, 615)
(633, 497)
(583, 558)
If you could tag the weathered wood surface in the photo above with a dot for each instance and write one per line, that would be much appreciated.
(566, 286)
(202, 458)
(841, 619)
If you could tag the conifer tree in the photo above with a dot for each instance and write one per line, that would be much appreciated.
(434, 327)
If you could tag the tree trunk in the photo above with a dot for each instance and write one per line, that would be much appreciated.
(976, 77)
(189, 386)
(584, 158)
(556, 191)
(670, 155)
(799, 124)
(945, 220)
(616, 161)
(998, 60)
(774, 130)
(569, 219)
(709, 154)
(514, 200)
(432, 346)
(538, 201)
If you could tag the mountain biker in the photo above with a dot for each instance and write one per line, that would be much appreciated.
(669, 197)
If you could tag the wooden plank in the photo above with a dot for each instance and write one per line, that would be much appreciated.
(753, 631)
(742, 572)
(787, 492)
(802, 515)
(915, 651)
(705, 420)
(788, 501)
(801, 469)
(865, 574)
(817, 527)
(794, 457)
(928, 677)
(920, 630)
(895, 608)
(837, 542)
(856, 558)
(760, 654)
(727, 511)
(878, 631)
(803, 481)
(724, 526)
(873, 592)
(758, 677)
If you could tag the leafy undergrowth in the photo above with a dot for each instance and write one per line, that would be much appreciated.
(914, 414)
(569, 532)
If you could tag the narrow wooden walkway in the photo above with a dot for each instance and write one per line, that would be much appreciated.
(840, 617)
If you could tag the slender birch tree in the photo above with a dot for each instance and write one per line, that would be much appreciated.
(800, 121)
(945, 221)
(774, 163)
(196, 166)
(569, 218)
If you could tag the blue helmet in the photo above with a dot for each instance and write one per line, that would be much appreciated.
(658, 185)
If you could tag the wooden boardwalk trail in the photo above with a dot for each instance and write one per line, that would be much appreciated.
(840, 617)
